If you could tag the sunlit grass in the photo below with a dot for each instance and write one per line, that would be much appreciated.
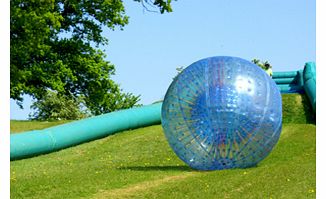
(140, 164)
(297, 109)
(17, 126)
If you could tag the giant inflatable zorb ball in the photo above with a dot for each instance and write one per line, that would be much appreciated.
(221, 113)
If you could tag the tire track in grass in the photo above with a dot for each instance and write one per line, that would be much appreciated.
(140, 187)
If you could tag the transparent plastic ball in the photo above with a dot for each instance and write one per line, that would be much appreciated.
(221, 113)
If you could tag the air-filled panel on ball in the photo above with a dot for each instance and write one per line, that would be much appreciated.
(222, 112)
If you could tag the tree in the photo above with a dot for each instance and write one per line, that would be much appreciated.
(255, 61)
(52, 49)
(53, 106)
(161, 4)
(264, 65)
(179, 70)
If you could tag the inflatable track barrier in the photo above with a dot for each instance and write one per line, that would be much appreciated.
(33, 143)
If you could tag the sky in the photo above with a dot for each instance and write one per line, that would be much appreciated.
(150, 48)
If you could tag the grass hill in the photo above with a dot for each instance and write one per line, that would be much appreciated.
(140, 164)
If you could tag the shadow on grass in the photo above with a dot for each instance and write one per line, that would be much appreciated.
(178, 168)
(308, 110)
(157, 168)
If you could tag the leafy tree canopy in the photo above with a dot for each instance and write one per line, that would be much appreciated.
(163, 5)
(51, 49)
(265, 65)
(53, 106)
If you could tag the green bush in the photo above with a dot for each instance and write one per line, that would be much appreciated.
(58, 107)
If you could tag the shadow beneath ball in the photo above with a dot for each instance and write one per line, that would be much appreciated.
(175, 168)
(158, 168)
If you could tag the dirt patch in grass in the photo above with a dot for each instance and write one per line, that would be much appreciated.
(132, 190)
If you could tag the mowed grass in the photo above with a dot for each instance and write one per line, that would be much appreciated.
(297, 109)
(17, 126)
(140, 164)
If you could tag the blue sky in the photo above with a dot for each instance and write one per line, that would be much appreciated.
(150, 48)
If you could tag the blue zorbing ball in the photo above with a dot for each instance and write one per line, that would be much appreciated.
(222, 113)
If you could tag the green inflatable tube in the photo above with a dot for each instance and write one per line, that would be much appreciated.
(309, 77)
(32, 143)
(299, 78)
(291, 80)
(287, 74)
(290, 88)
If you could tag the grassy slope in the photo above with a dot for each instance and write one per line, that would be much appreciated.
(297, 109)
(140, 164)
(132, 163)
(19, 126)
